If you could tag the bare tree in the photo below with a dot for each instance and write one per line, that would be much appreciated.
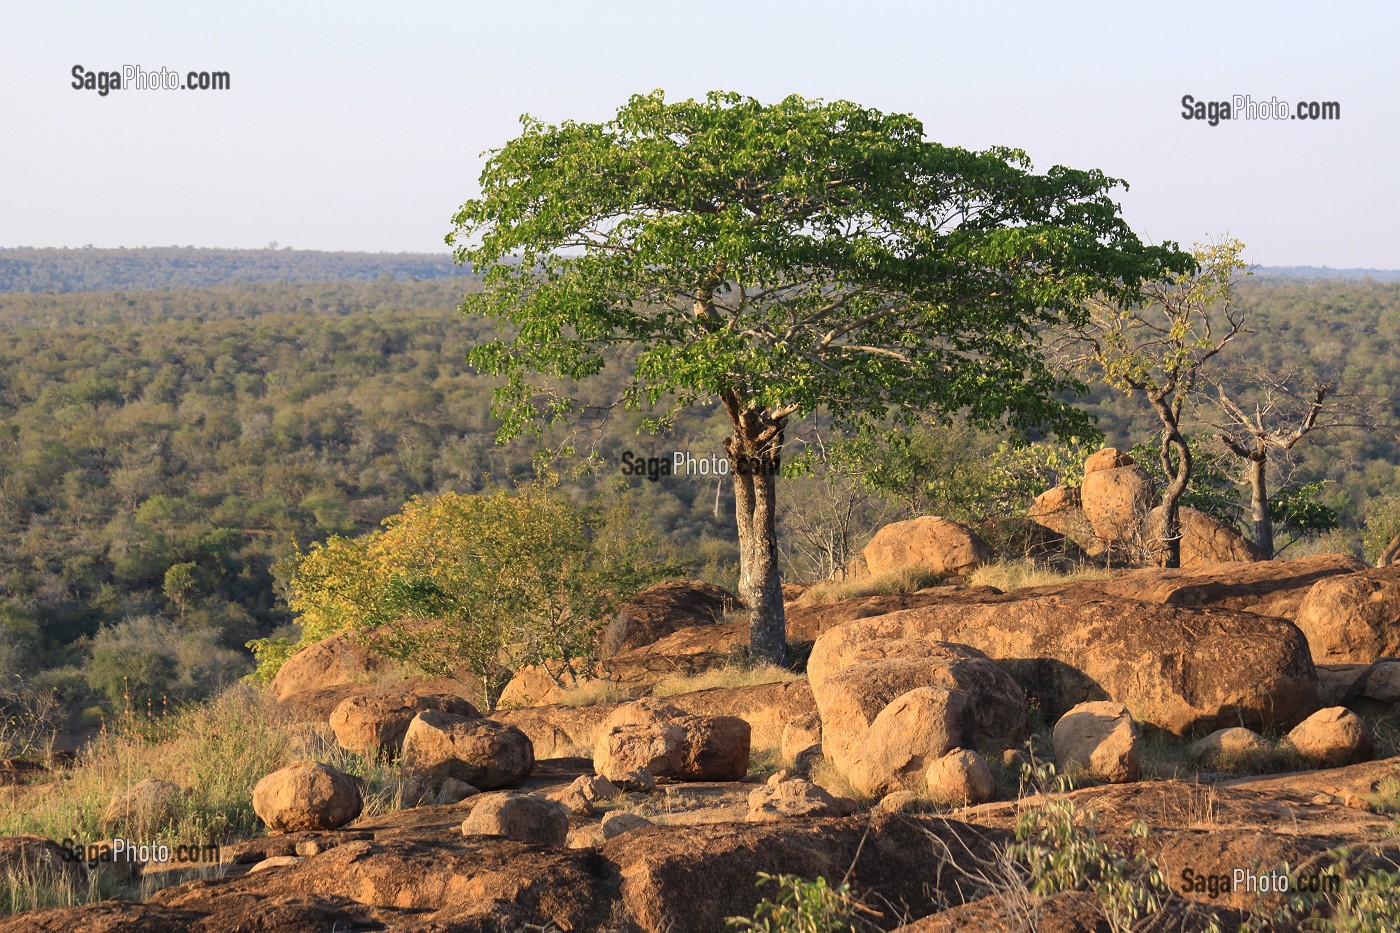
(1158, 347)
(1263, 432)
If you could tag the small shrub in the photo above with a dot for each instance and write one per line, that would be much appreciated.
(803, 906)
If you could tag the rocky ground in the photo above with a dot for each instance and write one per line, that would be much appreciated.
(1231, 716)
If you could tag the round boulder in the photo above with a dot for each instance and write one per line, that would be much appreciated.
(1353, 618)
(935, 544)
(1116, 502)
(1332, 737)
(375, 725)
(1101, 739)
(306, 795)
(482, 752)
(522, 817)
(1236, 746)
(1109, 458)
(961, 777)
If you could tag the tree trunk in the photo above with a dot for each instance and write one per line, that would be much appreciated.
(755, 455)
(1259, 508)
(1391, 554)
(1178, 476)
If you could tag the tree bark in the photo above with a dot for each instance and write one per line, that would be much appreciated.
(755, 456)
(1391, 554)
(1178, 475)
(1259, 508)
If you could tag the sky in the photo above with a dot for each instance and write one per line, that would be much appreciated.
(361, 126)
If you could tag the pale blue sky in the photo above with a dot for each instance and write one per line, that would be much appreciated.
(360, 127)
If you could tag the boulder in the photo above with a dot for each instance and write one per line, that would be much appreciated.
(620, 821)
(1116, 502)
(934, 544)
(654, 736)
(802, 741)
(1266, 587)
(662, 609)
(1205, 539)
(481, 752)
(375, 725)
(891, 706)
(1109, 458)
(306, 795)
(1059, 510)
(1179, 669)
(533, 685)
(522, 817)
(1332, 737)
(795, 798)
(1236, 745)
(1101, 739)
(961, 777)
(558, 731)
(1353, 619)
(143, 808)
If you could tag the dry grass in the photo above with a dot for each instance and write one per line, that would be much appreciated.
(593, 693)
(217, 751)
(894, 583)
(1008, 575)
(733, 675)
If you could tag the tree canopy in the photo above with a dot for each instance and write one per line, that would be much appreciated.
(784, 259)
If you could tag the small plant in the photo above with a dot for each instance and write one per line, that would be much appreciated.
(804, 906)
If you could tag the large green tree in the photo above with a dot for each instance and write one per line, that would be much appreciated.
(780, 259)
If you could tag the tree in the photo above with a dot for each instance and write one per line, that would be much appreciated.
(1266, 430)
(782, 259)
(1157, 345)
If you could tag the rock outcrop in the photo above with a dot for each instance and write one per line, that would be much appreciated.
(892, 705)
(1178, 669)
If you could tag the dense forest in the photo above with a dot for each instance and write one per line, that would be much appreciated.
(161, 450)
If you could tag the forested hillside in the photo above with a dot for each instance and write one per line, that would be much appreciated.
(160, 450)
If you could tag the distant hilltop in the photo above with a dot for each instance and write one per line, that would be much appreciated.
(92, 269)
(89, 269)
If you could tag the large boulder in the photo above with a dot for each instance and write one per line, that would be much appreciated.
(375, 725)
(481, 752)
(522, 817)
(1205, 539)
(1236, 746)
(1353, 619)
(1179, 669)
(1116, 502)
(662, 609)
(306, 795)
(892, 705)
(1332, 737)
(656, 737)
(1100, 739)
(934, 544)
(1266, 587)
